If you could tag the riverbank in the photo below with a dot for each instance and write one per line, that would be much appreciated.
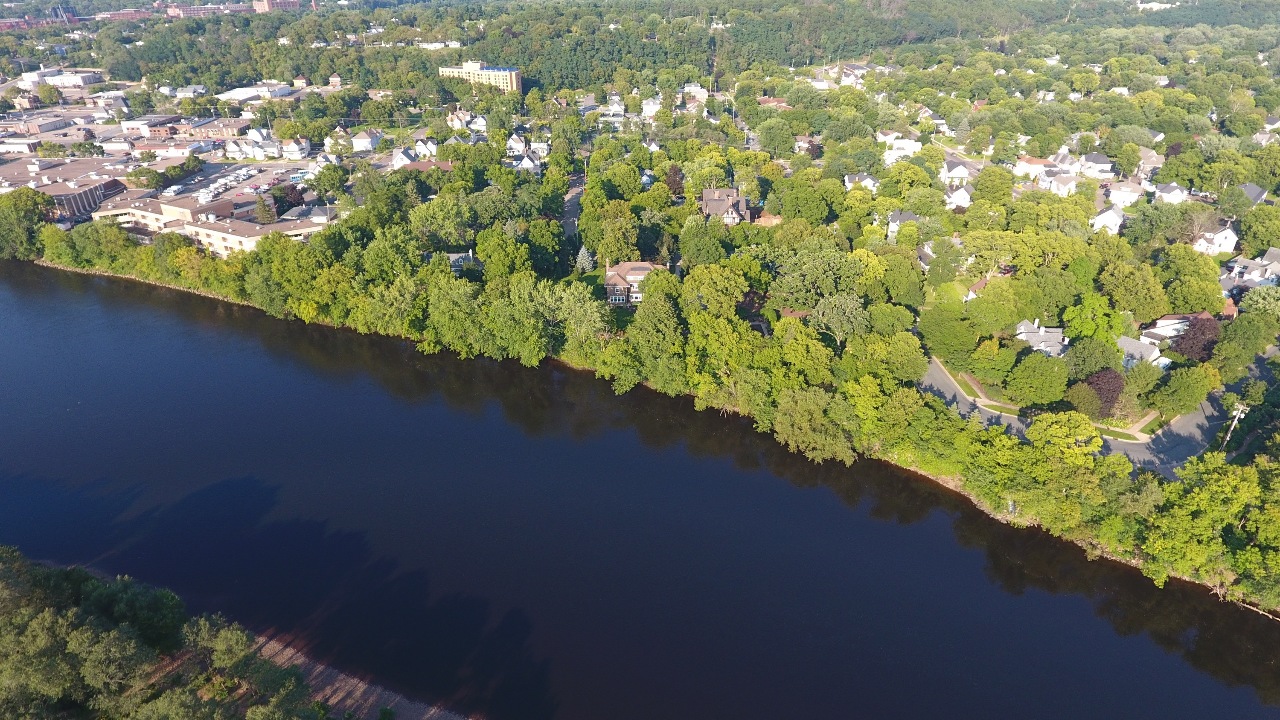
(905, 460)
(344, 693)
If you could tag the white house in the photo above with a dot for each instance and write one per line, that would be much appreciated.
(1125, 194)
(901, 149)
(459, 119)
(649, 107)
(897, 219)
(863, 179)
(1096, 166)
(426, 148)
(960, 197)
(1136, 351)
(516, 145)
(1110, 220)
(1047, 340)
(954, 173)
(1031, 167)
(1216, 242)
(296, 149)
(401, 157)
(479, 124)
(1149, 161)
(366, 140)
(1063, 185)
(1171, 193)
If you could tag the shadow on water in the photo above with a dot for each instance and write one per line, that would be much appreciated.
(452, 647)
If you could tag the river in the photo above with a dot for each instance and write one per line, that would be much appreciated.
(524, 545)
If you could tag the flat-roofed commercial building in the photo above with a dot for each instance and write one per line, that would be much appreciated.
(508, 79)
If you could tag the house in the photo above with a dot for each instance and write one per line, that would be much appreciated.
(960, 197)
(1243, 274)
(622, 282)
(806, 144)
(1217, 241)
(1063, 185)
(461, 261)
(1263, 138)
(1169, 327)
(1031, 167)
(1110, 220)
(1097, 166)
(1066, 162)
(365, 140)
(897, 219)
(726, 204)
(401, 157)
(258, 135)
(694, 93)
(1253, 192)
(1047, 340)
(901, 149)
(925, 253)
(296, 149)
(1136, 351)
(773, 102)
(516, 145)
(976, 289)
(525, 163)
(886, 136)
(459, 119)
(1124, 194)
(479, 124)
(426, 147)
(649, 107)
(1149, 161)
(862, 179)
(1171, 193)
(954, 173)
(335, 81)
(190, 91)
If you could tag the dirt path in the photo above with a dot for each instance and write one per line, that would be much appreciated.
(344, 693)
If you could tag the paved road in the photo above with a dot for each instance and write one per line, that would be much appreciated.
(572, 206)
(1186, 437)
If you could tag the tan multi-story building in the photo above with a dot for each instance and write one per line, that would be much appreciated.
(266, 6)
(474, 71)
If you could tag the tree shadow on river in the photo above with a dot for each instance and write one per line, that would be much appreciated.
(453, 649)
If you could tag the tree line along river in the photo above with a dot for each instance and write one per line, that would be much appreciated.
(522, 544)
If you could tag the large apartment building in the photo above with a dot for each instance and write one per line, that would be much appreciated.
(473, 71)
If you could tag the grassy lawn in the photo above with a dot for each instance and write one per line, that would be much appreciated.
(964, 385)
(1154, 426)
(1107, 432)
(1006, 409)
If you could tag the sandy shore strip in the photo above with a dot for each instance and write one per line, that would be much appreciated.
(344, 693)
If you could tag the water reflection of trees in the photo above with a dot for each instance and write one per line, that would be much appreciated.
(1233, 644)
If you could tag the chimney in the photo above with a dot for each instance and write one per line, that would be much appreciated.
(1035, 323)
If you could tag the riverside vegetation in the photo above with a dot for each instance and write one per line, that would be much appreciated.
(73, 645)
(820, 327)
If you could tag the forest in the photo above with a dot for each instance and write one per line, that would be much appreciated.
(76, 645)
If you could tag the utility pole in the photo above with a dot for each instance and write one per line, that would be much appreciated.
(1239, 411)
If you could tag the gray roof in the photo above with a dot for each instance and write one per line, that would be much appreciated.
(1253, 192)
(1136, 349)
(1047, 340)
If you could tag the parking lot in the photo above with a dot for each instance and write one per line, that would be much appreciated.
(231, 180)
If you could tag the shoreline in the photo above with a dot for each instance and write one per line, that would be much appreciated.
(951, 483)
(345, 693)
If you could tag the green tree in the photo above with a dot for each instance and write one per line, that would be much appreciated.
(1037, 380)
(1182, 392)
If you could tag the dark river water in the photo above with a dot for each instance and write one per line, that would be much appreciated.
(522, 544)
